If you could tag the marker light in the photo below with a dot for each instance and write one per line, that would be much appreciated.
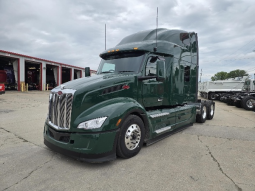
(92, 124)
(118, 122)
(109, 51)
(135, 48)
(112, 50)
(117, 49)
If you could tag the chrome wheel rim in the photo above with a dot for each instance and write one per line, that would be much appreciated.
(204, 112)
(212, 110)
(133, 137)
(249, 103)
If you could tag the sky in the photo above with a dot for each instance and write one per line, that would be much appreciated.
(73, 31)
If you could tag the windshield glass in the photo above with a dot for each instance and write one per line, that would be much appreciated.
(121, 63)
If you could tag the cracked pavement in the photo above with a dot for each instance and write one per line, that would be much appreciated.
(216, 155)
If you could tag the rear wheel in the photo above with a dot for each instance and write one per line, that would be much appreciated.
(238, 104)
(131, 137)
(212, 96)
(230, 101)
(210, 110)
(247, 102)
(201, 117)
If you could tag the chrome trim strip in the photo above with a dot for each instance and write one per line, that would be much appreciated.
(163, 129)
(56, 127)
(64, 91)
(60, 108)
(159, 115)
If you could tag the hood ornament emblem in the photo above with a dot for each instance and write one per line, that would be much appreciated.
(62, 87)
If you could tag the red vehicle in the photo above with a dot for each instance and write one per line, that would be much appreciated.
(2, 89)
(3, 78)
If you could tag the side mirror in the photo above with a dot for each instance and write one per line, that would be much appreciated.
(161, 73)
(87, 71)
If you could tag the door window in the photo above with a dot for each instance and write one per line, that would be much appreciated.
(151, 67)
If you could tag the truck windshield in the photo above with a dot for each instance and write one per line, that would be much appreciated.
(121, 63)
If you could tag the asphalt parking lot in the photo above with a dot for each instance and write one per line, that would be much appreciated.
(216, 155)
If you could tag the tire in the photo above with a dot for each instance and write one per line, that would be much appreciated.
(238, 104)
(212, 96)
(201, 118)
(210, 109)
(246, 103)
(131, 137)
(230, 102)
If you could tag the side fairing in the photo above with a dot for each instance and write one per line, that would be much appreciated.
(184, 73)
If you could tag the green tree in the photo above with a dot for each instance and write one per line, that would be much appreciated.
(220, 76)
(237, 73)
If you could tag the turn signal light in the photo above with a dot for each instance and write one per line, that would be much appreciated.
(118, 122)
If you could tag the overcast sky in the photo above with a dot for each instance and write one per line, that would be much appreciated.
(72, 31)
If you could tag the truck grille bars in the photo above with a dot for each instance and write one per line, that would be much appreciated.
(60, 107)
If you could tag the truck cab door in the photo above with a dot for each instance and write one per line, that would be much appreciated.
(152, 89)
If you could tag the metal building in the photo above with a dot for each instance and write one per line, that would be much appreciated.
(35, 72)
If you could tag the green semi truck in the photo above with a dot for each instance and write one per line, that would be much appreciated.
(145, 89)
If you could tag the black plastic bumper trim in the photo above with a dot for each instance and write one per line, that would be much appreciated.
(92, 158)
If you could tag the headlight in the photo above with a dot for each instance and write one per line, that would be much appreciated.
(92, 124)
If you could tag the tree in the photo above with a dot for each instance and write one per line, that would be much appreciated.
(220, 76)
(232, 74)
(237, 73)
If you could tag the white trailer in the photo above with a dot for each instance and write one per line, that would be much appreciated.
(212, 89)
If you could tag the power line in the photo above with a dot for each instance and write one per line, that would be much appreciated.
(229, 59)
(240, 48)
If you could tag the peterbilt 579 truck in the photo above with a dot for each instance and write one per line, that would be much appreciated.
(244, 99)
(145, 89)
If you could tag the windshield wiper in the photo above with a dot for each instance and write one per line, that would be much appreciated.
(125, 71)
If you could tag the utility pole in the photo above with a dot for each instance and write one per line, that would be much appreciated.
(201, 75)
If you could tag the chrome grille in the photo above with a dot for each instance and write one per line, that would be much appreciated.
(60, 107)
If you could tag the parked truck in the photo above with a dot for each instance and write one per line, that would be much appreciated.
(216, 89)
(10, 82)
(3, 79)
(145, 89)
(246, 98)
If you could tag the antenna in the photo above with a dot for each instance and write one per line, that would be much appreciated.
(155, 48)
(105, 37)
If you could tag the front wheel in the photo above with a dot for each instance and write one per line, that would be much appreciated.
(210, 109)
(131, 137)
(247, 102)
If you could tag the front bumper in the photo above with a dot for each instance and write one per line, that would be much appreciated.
(89, 147)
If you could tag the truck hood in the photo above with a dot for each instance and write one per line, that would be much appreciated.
(96, 80)
(90, 91)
